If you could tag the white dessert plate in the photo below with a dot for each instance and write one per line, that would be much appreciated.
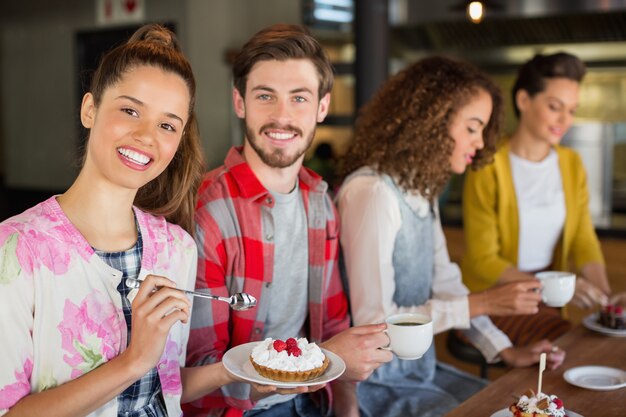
(237, 362)
(597, 378)
(591, 322)
(506, 413)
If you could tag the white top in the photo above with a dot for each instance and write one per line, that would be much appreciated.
(541, 209)
(370, 221)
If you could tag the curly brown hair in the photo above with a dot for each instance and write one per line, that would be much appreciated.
(403, 130)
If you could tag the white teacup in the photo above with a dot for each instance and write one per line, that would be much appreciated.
(410, 334)
(557, 287)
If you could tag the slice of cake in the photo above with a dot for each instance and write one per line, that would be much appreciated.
(291, 360)
(613, 317)
(538, 405)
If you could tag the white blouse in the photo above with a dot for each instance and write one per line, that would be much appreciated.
(370, 220)
(541, 209)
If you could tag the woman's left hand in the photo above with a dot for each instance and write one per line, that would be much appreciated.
(518, 357)
(619, 299)
(587, 294)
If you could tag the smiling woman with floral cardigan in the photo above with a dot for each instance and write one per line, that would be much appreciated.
(77, 340)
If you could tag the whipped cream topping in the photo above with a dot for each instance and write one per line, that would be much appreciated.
(529, 405)
(312, 356)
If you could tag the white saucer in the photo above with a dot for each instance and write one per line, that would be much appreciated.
(506, 413)
(237, 362)
(591, 322)
(597, 378)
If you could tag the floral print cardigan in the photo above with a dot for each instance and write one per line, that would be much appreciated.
(60, 311)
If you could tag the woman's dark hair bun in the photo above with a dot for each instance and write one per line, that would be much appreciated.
(158, 34)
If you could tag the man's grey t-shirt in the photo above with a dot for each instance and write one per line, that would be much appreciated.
(288, 299)
(290, 283)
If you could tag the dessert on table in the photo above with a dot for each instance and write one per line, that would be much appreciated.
(613, 317)
(538, 405)
(291, 360)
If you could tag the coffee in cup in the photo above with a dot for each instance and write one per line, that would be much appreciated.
(410, 334)
(557, 287)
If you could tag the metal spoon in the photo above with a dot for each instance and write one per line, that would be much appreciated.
(239, 301)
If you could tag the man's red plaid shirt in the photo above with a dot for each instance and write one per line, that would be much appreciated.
(234, 231)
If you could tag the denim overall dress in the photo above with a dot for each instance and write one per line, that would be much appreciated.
(419, 387)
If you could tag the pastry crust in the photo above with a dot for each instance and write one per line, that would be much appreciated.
(290, 376)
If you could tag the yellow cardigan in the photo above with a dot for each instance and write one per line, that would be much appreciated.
(490, 218)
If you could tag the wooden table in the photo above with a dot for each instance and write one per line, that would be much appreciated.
(583, 347)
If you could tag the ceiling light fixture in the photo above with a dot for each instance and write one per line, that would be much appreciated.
(476, 11)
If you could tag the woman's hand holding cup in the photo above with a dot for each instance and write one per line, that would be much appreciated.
(519, 297)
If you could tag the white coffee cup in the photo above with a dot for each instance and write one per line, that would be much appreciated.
(557, 287)
(410, 334)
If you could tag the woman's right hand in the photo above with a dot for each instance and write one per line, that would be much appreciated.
(514, 298)
(155, 309)
(153, 314)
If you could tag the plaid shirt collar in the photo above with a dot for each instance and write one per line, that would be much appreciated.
(249, 185)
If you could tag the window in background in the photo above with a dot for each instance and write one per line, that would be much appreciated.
(334, 15)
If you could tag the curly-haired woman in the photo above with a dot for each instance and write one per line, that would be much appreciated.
(431, 120)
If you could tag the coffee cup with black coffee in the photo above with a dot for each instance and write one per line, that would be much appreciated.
(410, 334)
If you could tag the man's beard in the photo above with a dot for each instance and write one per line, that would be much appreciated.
(277, 157)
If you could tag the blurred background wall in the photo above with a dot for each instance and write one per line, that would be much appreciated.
(43, 46)
(38, 76)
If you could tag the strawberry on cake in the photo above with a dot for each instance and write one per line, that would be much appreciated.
(540, 405)
(291, 360)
